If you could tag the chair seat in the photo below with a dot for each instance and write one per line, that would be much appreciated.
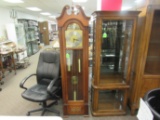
(36, 93)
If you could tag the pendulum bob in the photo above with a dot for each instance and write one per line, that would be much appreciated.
(74, 80)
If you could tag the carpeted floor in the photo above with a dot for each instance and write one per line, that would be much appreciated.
(12, 104)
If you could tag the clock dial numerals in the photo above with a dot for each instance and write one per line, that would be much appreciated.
(73, 36)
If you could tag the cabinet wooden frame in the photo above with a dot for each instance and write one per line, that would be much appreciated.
(111, 83)
(70, 105)
(141, 80)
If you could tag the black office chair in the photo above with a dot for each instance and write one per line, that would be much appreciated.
(152, 99)
(48, 84)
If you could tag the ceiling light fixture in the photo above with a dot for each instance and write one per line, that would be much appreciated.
(33, 8)
(138, 1)
(45, 13)
(126, 8)
(79, 0)
(52, 16)
(83, 7)
(14, 1)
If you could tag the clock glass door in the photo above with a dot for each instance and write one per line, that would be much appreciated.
(74, 44)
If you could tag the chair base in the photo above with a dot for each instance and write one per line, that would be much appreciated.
(45, 108)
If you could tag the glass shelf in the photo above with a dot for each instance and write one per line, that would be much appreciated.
(112, 78)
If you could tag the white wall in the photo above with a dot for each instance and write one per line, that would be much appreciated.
(5, 19)
(27, 16)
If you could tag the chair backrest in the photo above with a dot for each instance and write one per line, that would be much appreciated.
(48, 67)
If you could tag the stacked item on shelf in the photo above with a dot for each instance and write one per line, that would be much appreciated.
(21, 58)
(16, 34)
(31, 35)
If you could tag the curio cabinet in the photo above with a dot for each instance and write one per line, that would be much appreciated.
(113, 46)
(147, 69)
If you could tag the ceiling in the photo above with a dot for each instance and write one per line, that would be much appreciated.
(55, 6)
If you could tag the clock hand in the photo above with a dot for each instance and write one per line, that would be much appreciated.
(75, 40)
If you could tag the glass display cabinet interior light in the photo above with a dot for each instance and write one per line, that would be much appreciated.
(115, 46)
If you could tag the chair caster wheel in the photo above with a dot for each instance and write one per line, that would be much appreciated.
(2, 83)
(56, 103)
(28, 114)
(58, 113)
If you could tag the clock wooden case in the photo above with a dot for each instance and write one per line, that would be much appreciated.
(73, 37)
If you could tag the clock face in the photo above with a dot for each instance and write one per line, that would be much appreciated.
(73, 36)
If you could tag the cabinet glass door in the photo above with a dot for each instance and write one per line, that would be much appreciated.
(74, 44)
(93, 48)
(20, 35)
(111, 100)
(115, 50)
(35, 48)
(29, 49)
(153, 57)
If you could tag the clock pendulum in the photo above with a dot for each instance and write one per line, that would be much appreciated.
(79, 65)
(74, 80)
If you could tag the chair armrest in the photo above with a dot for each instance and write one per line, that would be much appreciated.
(52, 88)
(24, 80)
(51, 85)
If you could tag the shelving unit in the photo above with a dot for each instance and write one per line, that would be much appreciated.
(31, 34)
(113, 45)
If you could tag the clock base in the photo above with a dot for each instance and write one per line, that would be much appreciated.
(75, 108)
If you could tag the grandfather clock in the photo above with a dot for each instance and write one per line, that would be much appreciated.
(73, 37)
